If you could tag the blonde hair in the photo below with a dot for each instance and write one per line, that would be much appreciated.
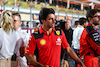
(6, 21)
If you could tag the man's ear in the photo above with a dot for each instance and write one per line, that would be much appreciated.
(84, 23)
(89, 18)
(20, 23)
(42, 21)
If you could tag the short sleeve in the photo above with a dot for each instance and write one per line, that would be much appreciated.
(64, 41)
(31, 45)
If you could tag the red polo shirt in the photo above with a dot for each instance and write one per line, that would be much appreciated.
(49, 46)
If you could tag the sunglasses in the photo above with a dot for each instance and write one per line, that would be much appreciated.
(97, 16)
(15, 21)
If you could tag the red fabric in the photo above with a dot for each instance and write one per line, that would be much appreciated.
(86, 41)
(49, 47)
(91, 61)
(87, 45)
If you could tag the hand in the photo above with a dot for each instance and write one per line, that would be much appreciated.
(83, 65)
(45, 66)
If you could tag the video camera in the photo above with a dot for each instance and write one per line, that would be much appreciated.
(59, 23)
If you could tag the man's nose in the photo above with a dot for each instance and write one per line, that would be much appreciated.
(54, 20)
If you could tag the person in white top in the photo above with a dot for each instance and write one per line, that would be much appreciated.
(8, 38)
(76, 24)
(22, 43)
(77, 34)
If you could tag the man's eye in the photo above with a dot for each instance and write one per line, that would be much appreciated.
(50, 19)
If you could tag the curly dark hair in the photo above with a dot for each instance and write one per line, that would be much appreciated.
(44, 13)
(91, 12)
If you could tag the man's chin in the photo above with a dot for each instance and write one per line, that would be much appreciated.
(53, 26)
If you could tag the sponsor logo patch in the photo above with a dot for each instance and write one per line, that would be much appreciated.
(58, 42)
(58, 32)
(43, 42)
(96, 36)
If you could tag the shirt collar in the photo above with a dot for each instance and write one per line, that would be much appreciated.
(42, 31)
(80, 26)
(92, 26)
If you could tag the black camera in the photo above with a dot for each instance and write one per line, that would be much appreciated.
(58, 24)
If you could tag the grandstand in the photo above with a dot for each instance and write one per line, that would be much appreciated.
(29, 9)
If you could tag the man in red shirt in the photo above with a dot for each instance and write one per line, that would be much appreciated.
(90, 40)
(48, 40)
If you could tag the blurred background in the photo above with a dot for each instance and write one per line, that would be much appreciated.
(29, 10)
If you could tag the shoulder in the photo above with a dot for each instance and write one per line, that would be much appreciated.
(1, 31)
(37, 35)
(89, 29)
(71, 29)
(76, 29)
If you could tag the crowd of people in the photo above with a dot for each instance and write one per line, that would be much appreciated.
(49, 46)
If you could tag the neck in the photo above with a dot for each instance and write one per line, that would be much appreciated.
(92, 24)
(17, 28)
(47, 30)
(67, 28)
(82, 25)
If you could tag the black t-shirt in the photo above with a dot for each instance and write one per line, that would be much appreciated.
(69, 35)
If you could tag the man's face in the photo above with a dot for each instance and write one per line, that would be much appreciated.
(16, 22)
(96, 19)
(68, 23)
(50, 21)
(85, 24)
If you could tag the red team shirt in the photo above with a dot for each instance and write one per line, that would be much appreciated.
(90, 46)
(90, 38)
(49, 46)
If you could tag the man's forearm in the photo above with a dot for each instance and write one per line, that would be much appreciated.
(32, 61)
(73, 55)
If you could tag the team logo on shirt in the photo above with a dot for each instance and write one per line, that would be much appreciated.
(58, 42)
(42, 42)
(58, 32)
(96, 36)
